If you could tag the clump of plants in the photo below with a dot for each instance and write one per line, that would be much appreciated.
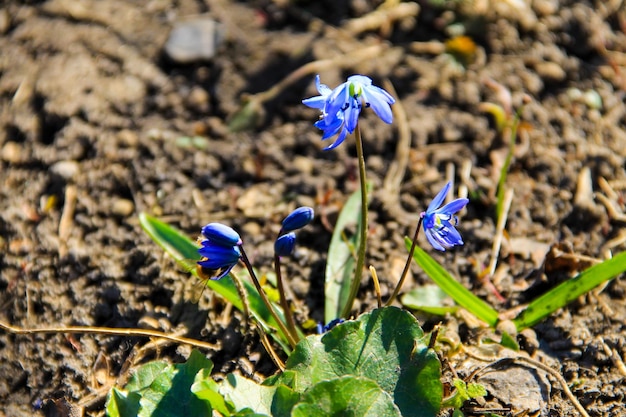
(378, 363)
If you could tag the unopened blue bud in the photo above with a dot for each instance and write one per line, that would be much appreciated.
(298, 218)
(221, 234)
(285, 244)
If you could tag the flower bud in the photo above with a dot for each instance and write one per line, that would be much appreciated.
(298, 218)
(221, 234)
(285, 244)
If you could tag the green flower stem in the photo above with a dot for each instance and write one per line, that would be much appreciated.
(407, 265)
(291, 324)
(266, 301)
(360, 261)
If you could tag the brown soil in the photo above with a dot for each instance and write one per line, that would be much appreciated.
(93, 121)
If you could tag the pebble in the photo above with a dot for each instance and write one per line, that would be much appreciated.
(550, 70)
(65, 169)
(12, 153)
(122, 207)
(194, 40)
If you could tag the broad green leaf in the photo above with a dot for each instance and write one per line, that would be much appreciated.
(275, 401)
(428, 298)
(342, 258)
(346, 396)
(570, 290)
(454, 289)
(185, 253)
(164, 389)
(205, 388)
(122, 404)
(385, 346)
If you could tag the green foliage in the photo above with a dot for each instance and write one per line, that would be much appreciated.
(463, 393)
(458, 292)
(342, 258)
(570, 290)
(377, 365)
(538, 309)
(159, 389)
(346, 396)
(428, 298)
(385, 346)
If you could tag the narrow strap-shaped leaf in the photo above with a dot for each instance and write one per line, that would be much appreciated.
(461, 295)
(570, 290)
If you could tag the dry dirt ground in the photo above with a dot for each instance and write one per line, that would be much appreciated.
(98, 125)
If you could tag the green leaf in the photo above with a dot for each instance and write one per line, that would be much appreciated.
(570, 290)
(429, 298)
(170, 392)
(275, 401)
(346, 396)
(205, 388)
(122, 404)
(463, 393)
(447, 283)
(185, 253)
(163, 390)
(385, 346)
(342, 258)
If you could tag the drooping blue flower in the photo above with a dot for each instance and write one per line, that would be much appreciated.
(297, 219)
(333, 323)
(341, 107)
(221, 234)
(285, 244)
(219, 249)
(439, 222)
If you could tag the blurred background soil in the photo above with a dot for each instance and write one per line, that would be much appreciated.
(100, 120)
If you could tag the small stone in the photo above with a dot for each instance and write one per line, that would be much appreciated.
(5, 21)
(122, 207)
(12, 153)
(65, 169)
(194, 40)
(550, 71)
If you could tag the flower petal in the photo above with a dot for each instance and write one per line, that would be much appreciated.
(378, 103)
(453, 206)
(439, 198)
(432, 239)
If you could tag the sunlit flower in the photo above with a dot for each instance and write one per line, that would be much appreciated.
(439, 222)
(219, 249)
(297, 219)
(341, 107)
(285, 244)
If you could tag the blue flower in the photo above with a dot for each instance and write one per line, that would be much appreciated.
(219, 249)
(297, 219)
(439, 222)
(333, 323)
(221, 234)
(341, 107)
(285, 244)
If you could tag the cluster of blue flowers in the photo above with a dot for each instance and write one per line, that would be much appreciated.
(221, 246)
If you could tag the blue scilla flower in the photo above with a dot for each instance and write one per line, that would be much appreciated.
(341, 107)
(297, 219)
(439, 222)
(219, 249)
(333, 323)
(285, 244)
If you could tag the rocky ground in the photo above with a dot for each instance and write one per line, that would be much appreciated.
(100, 120)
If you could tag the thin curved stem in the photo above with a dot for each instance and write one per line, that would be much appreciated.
(360, 260)
(266, 300)
(407, 265)
(284, 303)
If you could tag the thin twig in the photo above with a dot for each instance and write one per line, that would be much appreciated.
(109, 331)
(376, 286)
(407, 264)
(284, 303)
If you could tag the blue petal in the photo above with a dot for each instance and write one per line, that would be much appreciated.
(285, 244)
(221, 234)
(439, 198)
(338, 100)
(297, 219)
(453, 206)
(379, 104)
(323, 89)
(317, 102)
(360, 79)
(339, 140)
(352, 114)
(431, 237)
(218, 256)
